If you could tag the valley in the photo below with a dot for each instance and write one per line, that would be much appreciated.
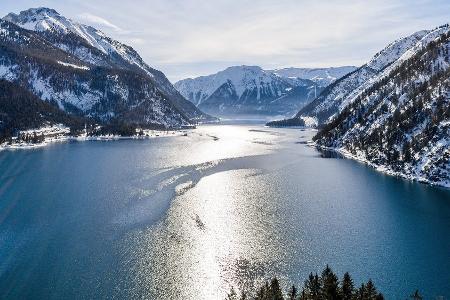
(225, 150)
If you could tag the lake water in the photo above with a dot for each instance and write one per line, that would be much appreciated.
(227, 205)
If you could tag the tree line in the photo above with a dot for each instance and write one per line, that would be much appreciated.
(325, 286)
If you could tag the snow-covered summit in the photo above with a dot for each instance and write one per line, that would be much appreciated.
(40, 19)
(50, 22)
(399, 120)
(84, 71)
(242, 78)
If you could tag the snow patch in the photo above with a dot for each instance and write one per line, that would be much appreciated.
(73, 66)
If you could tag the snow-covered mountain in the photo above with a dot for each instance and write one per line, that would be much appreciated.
(84, 71)
(248, 90)
(241, 78)
(321, 76)
(399, 120)
(342, 92)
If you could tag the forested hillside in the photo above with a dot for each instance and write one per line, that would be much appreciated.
(21, 110)
(401, 123)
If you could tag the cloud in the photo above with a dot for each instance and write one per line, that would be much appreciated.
(264, 32)
(93, 19)
(198, 37)
(194, 33)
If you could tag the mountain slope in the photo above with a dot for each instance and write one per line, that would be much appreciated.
(86, 72)
(21, 110)
(342, 92)
(400, 123)
(321, 76)
(247, 90)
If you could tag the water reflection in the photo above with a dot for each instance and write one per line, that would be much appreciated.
(189, 217)
(329, 153)
(220, 233)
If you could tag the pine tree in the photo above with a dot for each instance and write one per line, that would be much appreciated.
(303, 295)
(406, 151)
(347, 287)
(313, 287)
(379, 296)
(330, 284)
(275, 290)
(370, 291)
(261, 295)
(361, 293)
(292, 293)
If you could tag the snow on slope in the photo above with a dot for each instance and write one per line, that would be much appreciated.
(400, 122)
(242, 78)
(339, 94)
(322, 76)
(48, 20)
(73, 66)
(407, 48)
(93, 47)
(248, 90)
(394, 50)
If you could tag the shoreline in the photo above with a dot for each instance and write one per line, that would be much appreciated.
(380, 168)
(149, 134)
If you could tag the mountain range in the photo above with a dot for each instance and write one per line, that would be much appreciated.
(321, 76)
(392, 113)
(81, 71)
(252, 90)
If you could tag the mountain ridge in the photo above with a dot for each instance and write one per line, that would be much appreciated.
(400, 123)
(321, 76)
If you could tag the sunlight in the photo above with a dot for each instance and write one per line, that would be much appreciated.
(238, 150)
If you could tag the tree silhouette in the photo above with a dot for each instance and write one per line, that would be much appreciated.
(292, 294)
(347, 287)
(416, 296)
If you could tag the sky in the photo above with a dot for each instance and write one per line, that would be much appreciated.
(189, 38)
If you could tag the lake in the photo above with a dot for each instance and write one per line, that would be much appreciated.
(188, 217)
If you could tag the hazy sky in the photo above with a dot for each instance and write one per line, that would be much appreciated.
(186, 38)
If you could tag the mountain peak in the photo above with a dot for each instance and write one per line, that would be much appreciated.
(244, 68)
(32, 12)
(242, 78)
(344, 91)
(47, 20)
(40, 19)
